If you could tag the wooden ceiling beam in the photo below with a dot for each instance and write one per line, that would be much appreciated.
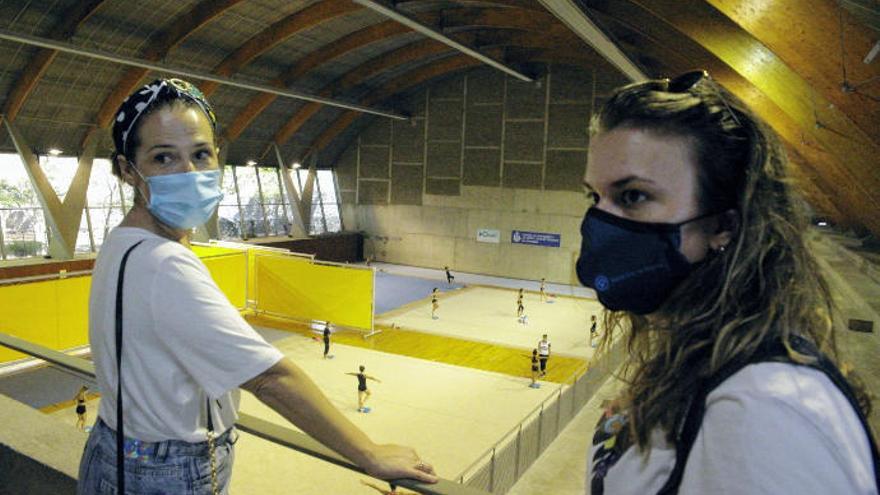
(359, 40)
(807, 35)
(748, 57)
(277, 33)
(39, 64)
(157, 47)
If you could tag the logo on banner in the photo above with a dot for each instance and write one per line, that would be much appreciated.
(489, 235)
(536, 238)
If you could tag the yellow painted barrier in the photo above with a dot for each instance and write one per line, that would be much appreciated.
(54, 311)
(303, 289)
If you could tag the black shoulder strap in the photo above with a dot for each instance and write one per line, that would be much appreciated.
(120, 433)
(690, 427)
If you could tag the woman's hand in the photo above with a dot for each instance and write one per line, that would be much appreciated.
(395, 461)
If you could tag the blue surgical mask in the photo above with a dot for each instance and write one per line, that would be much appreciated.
(633, 266)
(184, 200)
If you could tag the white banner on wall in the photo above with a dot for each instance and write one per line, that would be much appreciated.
(489, 235)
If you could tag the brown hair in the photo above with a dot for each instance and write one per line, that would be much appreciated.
(764, 288)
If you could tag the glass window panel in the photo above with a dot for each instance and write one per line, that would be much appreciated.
(269, 182)
(316, 226)
(127, 196)
(24, 232)
(228, 188)
(250, 202)
(103, 186)
(83, 245)
(60, 171)
(104, 219)
(331, 216)
(272, 199)
(16, 190)
(230, 228)
(328, 186)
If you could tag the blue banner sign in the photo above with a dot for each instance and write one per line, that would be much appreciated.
(535, 238)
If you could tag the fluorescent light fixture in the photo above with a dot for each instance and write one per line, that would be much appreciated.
(822, 224)
(296, 165)
(54, 151)
(250, 163)
(388, 10)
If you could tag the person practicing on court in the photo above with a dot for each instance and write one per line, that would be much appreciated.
(81, 414)
(434, 304)
(543, 353)
(449, 277)
(363, 391)
(536, 370)
(326, 339)
(697, 245)
(170, 351)
(542, 289)
(520, 309)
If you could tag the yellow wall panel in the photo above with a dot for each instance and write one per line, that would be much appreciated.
(73, 311)
(29, 311)
(230, 273)
(302, 289)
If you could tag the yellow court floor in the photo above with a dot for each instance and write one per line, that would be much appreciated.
(433, 347)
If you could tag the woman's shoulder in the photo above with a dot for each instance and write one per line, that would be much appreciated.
(777, 399)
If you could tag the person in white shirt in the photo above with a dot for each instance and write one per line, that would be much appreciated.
(695, 245)
(544, 353)
(185, 350)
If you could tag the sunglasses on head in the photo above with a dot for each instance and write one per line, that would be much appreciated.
(684, 83)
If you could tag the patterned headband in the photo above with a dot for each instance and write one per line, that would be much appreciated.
(158, 91)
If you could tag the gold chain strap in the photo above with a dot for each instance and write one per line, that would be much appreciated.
(213, 463)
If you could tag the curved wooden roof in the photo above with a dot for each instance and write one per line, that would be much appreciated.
(799, 64)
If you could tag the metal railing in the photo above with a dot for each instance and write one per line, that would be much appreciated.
(501, 466)
(280, 435)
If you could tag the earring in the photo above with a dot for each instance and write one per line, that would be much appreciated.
(721, 249)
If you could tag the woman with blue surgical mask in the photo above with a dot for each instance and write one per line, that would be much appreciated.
(170, 351)
(695, 243)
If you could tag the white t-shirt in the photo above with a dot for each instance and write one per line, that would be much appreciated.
(771, 428)
(182, 339)
(544, 348)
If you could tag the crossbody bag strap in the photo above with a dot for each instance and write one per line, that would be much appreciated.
(120, 427)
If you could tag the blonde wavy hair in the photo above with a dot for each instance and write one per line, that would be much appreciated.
(765, 287)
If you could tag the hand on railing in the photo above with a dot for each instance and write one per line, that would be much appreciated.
(396, 462)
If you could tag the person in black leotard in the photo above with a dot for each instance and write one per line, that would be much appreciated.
(536, 370)
(434, 304)
(81, 408)
(326, 339)
(363, 391)
(520, 309)
(449, 277)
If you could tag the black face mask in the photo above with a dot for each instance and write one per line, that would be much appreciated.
(633, 266)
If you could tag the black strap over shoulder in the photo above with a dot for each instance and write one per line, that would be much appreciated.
(120, 426)
(690, 427)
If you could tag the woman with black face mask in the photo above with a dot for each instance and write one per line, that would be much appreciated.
(695, 244)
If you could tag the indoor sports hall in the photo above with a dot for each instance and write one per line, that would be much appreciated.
(413, 207)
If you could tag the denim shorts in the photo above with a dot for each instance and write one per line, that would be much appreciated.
(153, 468)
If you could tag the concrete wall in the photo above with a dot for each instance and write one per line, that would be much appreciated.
(483, 150)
